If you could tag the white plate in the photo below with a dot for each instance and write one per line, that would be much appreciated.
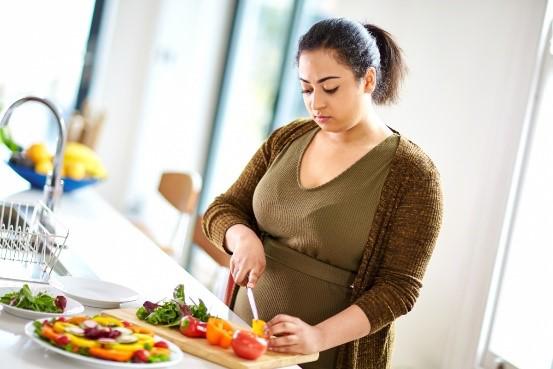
(93, 292)
(176, 354)
(73, 307)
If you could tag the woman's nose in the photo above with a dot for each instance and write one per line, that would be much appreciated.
(317, 101)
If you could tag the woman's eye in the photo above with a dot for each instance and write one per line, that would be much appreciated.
(331, 90)
(326, 90)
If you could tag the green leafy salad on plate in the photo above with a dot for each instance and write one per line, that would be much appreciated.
(41, 301)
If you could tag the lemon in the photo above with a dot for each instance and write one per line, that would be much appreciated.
(38, 152)
(44, 167)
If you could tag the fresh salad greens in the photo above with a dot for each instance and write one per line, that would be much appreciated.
(169, 313)
(199, 311)
(178, 293)
(42, 302)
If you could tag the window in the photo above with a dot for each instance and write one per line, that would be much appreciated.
(290, 104)
(260, 92)
(520, 332)
(245, 108)
(44, 44)
(261, 89)
(250, 86)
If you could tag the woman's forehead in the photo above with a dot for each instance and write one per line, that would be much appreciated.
(316, 64)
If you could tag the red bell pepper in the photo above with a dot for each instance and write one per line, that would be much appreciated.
(192, 327)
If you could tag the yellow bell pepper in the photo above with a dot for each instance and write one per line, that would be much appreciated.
(144, 338)
(61, 326)
(127, 346)
(82, 342)
(258, 327)
(107, 321)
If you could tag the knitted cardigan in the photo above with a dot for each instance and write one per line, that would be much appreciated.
(401, 239)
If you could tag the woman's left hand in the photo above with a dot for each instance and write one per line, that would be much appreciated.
(293, 335)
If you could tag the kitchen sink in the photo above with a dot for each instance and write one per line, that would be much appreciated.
(14, 216)
(31, 241)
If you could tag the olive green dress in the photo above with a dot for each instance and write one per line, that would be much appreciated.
(314, 237)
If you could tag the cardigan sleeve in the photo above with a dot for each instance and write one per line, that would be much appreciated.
(412, 235)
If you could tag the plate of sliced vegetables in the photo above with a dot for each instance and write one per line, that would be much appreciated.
(37, 302)
(103, 340)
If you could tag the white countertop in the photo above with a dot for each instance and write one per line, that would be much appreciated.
(102, 244)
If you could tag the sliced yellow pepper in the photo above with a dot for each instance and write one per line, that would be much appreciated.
(127, 346)
(61, 326)
(144, 338)
(82, 342)
(107, 321)
(258, 327)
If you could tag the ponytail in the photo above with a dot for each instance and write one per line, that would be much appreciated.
(392, 66)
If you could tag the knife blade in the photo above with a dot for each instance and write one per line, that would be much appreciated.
(249, 292)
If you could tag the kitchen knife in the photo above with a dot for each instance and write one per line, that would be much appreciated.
(249, 292)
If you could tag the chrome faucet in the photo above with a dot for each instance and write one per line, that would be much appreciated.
(54, 184)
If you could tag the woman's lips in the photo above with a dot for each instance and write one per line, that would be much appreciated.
(322, 118)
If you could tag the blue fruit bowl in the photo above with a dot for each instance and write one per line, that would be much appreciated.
(38, 180)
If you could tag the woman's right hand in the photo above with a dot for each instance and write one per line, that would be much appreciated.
(247, 262)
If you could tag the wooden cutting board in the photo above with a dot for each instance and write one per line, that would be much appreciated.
(201, 348)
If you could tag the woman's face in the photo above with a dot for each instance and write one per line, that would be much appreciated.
(336, 100)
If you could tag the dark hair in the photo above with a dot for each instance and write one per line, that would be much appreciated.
(360, 47)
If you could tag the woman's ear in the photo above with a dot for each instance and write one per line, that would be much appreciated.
(369, 80)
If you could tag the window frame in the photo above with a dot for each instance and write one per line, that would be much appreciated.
(90, 59)
(487, 359)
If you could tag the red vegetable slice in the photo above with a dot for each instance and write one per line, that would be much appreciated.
(61, 302)
(247, 345)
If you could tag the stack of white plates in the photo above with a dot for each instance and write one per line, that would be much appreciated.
(95, 293)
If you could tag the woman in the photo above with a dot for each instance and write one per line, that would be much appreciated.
(334, 219)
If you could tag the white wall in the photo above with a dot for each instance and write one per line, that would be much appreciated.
(126, 48)
(471, 66)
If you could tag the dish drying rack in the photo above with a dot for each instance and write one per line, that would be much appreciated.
(31, 240)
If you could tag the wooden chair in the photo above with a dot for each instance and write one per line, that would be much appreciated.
(181, 190)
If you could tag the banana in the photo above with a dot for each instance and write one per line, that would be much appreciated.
(76, 152)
